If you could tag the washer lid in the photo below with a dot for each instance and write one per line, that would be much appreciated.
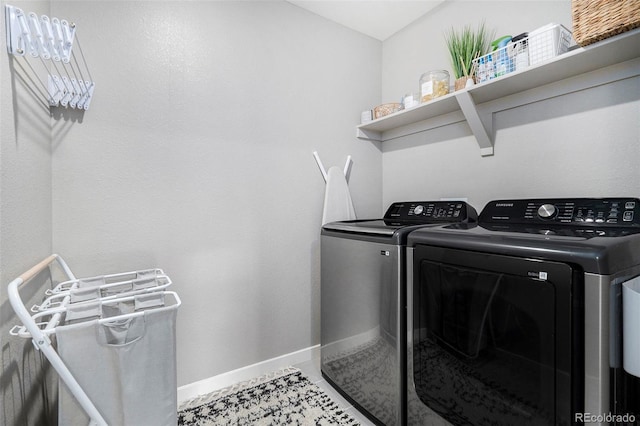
(407, 214)
(372, 227)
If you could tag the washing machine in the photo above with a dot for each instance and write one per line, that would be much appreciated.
(519, 320)
(363, 303)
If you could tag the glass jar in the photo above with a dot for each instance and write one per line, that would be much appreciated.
(410, 100)
(433, 84)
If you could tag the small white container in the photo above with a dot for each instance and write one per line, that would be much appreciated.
(410, 100)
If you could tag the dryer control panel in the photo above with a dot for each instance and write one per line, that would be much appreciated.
(431, 212)
(598, 212)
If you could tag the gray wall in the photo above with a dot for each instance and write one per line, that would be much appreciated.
(196, 156)
(25, 229)
(583, 144)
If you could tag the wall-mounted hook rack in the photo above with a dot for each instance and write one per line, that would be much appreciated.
(51, 39)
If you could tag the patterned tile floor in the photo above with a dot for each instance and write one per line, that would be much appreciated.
(311, 369)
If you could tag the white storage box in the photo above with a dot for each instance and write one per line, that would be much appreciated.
(548, 42)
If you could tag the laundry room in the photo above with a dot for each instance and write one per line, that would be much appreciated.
(196, 156)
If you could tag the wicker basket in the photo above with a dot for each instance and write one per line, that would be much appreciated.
(385, 109)
(595, 20)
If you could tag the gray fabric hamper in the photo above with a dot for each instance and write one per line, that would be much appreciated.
(126, 367)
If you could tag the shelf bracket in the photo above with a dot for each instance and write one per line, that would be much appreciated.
(480, 131)
(370, 135)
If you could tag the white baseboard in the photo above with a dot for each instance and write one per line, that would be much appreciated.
(349, 343)
(229, 378)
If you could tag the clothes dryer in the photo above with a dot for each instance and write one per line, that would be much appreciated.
(519, 320)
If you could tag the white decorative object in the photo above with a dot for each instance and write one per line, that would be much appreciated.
(337, 199)
(631, 326)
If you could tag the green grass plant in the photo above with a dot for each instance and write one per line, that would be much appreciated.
(465, 46)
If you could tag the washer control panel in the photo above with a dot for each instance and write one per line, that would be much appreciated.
(431, 212)
(613, 212)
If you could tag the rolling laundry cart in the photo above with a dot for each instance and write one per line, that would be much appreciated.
(111, 339)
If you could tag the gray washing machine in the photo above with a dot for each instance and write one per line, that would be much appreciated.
(363, 303)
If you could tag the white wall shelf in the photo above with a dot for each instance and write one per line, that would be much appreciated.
(613, 59)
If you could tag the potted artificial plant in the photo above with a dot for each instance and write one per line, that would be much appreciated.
(465, 46)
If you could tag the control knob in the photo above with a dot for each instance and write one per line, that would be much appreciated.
(418, 209)
(547, 211)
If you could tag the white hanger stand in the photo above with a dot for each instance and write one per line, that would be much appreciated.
(347, 166)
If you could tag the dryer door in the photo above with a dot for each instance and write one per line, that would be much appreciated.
(493, 338)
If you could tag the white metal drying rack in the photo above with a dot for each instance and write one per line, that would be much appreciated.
(40, 331)
(51, 39)
(104, 287)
